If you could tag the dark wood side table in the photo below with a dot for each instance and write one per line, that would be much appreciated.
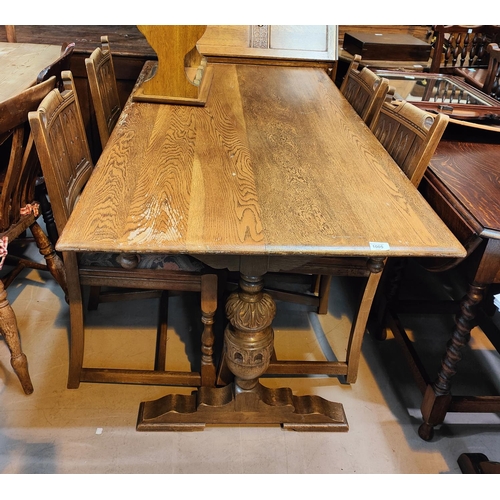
(462, 184)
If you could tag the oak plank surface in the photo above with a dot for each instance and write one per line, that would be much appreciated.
(456, 163)
(276, 163)
(21, 63)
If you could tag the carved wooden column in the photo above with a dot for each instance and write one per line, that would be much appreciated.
(248, 347)
(248, 339)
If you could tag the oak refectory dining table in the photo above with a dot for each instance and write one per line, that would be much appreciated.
(277, 168)
(21, 63)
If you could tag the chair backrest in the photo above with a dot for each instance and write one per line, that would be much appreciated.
(410, 135)
(492, 80)
(103, 89)
(459, 46)
(18, 178)
(59, 134)
(58, 66)
(365, 90)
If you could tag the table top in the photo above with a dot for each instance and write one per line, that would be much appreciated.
(276, 163)
(467, 163)
(21, 63)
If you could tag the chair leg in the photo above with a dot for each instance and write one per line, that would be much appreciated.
(359, 326)
(93, 301)
(387, 295)
(8, 327)
(208, 309)
(76, 344)
(77, 328)
(161, 337)
(54, 262)
(46, 209)
(324, 293)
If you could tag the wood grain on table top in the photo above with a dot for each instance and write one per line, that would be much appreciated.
(276, 163)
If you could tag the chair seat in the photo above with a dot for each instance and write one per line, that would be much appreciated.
(142, 261)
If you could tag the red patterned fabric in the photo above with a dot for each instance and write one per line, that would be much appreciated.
(33, 208)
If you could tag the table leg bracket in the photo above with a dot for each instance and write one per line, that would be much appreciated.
(227, 405)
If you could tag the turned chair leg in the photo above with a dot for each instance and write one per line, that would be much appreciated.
(8, 327)
(208, 309)
(55, 264)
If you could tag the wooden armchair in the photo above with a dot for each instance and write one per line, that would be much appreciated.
(103, 89)
(58, 66)
(63, 149)
(19, 211)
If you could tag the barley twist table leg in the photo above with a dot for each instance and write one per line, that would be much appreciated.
(437, 397)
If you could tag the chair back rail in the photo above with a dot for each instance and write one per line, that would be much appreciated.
(410, 135)
(364, 90)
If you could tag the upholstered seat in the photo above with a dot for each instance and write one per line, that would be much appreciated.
(142, 261)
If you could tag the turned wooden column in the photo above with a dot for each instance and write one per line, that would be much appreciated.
(249, 337)
(8, 327)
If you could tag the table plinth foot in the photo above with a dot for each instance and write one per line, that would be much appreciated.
(232, 405)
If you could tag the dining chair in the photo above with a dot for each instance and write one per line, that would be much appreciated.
(64, 153)
(103, 89)
(410, 136)
(364, 90)
(19, 211)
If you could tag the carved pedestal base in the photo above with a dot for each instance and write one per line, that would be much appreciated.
(208, 405)
(248, 346)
